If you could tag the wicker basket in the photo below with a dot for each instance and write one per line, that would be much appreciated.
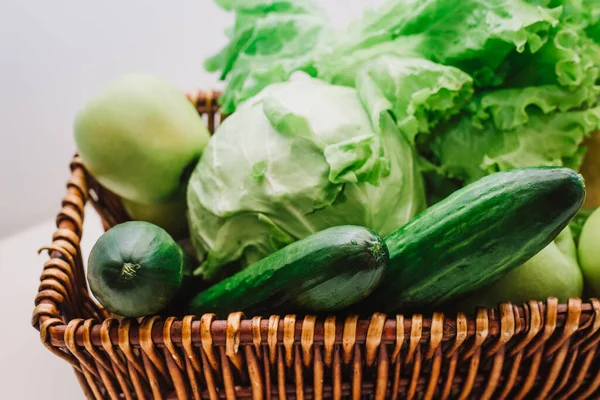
(542, 349)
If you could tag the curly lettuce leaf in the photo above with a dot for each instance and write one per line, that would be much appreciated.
(418, 93)
(469, 151)
(569, 59)
(473, 35)
(583, 13)
(340, 65)
(271, 39)
(511, 108)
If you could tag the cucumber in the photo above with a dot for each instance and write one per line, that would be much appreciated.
(135, 269)
(326, 271)
(474, 236)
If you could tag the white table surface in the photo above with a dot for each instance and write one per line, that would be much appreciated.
(27, 369)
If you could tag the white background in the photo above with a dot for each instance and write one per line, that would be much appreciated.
(55, 54)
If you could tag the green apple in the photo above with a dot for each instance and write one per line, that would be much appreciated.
(140, 138)
(170, 216)
(589, 252)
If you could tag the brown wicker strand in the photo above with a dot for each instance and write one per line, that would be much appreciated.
(256, 335)
(374, 337)
(329, 339)
(383, 365)
(529, 381)
(227, 375)
(494, 376)
(434, 374)
(267, 373)
(272, 338)
(298, 373)
(281, 376)
(571, 356)
(450, 374)
(396, 381)
(349, 337)
(148, 347)
(416, 371)
(153, 378)
(254, 373)
(207, 340)
(209, 377)
(416, 332)
(593, 326)
(580, 377)
(289, 331)
(307, 338)
(590, 389)
(357, 373)
(232, 344)
(318, 373)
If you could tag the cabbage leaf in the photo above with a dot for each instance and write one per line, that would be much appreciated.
(297, 158)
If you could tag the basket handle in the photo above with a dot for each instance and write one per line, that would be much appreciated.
(63, 293)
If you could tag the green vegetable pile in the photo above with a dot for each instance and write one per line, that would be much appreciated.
(476, 86)
(425, 156)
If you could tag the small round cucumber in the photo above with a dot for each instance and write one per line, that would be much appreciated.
(135, 269)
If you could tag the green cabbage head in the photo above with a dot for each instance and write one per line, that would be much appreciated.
(299, 157)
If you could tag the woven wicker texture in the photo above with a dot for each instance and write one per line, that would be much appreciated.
(538, 350)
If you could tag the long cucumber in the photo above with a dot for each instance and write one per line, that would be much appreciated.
(475, 235)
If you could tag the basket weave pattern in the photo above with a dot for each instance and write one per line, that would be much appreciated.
(539, 350)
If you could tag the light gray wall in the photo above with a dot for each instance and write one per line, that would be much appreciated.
(55, 54)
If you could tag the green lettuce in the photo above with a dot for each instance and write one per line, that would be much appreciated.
(473, 35)
(270, 40)
(418, 93)
(299, 157)
(340, 65)
(468, 149)
(569, 58)
(511, 108)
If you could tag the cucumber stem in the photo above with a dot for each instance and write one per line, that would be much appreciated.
(129, 271)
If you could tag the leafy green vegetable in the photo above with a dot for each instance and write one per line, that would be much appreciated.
(469, 149)
(273, 38)
(299, 157)
(569, 58)
(473, 35)
(418, 93)
(511, 108)
(340, 63)
(270, 40)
